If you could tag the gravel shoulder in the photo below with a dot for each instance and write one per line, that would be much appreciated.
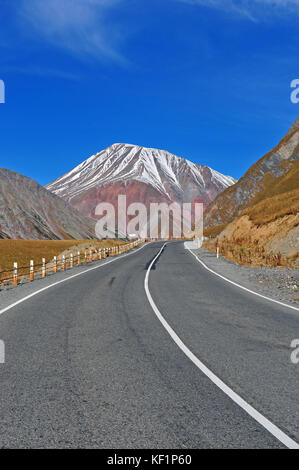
(278, 283)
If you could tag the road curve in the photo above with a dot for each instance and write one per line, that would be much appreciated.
(88, 363)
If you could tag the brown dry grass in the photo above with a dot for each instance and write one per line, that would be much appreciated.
(248, 254)
(22, 251)
(247, 243)
(270, 216)
(273, 208)
(213, 232)
(267, 187)
(273, 186)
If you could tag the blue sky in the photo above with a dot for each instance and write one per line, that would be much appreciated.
(207, 80)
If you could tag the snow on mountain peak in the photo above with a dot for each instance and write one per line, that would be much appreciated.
(163, 171)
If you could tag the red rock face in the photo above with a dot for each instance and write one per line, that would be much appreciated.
(142, 175)
(134, 191)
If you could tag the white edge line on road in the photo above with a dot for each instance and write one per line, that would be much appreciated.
(68, 278)
(256, 415)
(239, 285)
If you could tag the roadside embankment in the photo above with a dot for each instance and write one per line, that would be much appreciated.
(278, 283)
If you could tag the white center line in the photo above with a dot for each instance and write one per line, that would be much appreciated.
(256, 415)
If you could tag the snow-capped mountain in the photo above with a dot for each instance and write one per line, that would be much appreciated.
(142, 174)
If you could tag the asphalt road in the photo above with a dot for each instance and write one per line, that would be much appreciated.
(89, 364)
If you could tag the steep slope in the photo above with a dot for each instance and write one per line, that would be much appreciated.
(272, 222)
(274, 174)
(29, 211)
(142, 174)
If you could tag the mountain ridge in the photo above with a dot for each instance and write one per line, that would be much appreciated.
(263, 229)
(29, 211)
(143, 174)
(257, 182)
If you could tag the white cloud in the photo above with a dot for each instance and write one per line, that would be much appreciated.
(252, 9)
(80, 26)
(40, 71)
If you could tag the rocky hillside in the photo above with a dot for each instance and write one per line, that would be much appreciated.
(142, 174)
(275, 174)
(265, 226)
(29, 211)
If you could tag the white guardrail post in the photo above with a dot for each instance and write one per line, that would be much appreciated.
(89, 256)
(31, 270)
(15, 274)
(43, 267)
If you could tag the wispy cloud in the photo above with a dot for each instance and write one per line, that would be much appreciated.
(40, 72)
(252, 9)
(82, 27)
